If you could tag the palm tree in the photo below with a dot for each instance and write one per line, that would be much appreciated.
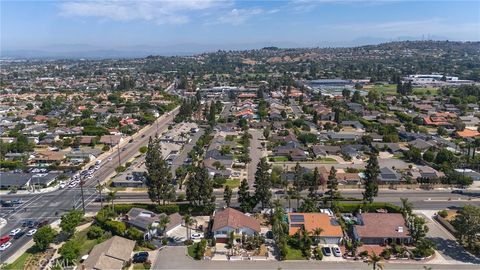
(375, 261)
(100, 188)
(406, 206)
(111, 197)
(188, 220)
(316, 232)
(163, 222)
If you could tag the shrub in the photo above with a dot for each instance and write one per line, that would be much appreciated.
(386, 254)
(135, 234)
(120, 169)
(95, 232)
(70, 250)
(188, 242)
(105, 148)
(167, 208)
(443, 213)
(318, 254)
(143, 149)
(116, 227)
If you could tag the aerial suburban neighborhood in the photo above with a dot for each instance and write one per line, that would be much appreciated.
(277, 159)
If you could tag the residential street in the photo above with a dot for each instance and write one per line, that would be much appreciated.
(256, 154)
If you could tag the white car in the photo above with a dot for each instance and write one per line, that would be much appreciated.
(73, 184)
(337, 252)
(97, 167)
(109, 159)
(31, 232)
(62, 185)
(5, 246)
(15, 231)
(197, 236)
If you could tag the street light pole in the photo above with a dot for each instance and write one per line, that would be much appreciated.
(83, 198)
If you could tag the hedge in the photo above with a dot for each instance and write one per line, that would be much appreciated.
(167, 208)
(347, 207)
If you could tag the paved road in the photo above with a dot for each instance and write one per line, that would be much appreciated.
(226, 110)
(179, 160)
(446, 243)
(182, 261)
(297, 111)
(44, 205)
(255, 154)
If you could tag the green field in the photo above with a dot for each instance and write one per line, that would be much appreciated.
(233, 183)
(386, 88)
(425, 91)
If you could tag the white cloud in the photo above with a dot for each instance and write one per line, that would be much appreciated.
(160, 12)
(240, 16)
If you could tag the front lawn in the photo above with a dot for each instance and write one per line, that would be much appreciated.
(327, 160)
(232, 183)
(141, 266)
(294, 254)
(279, 159)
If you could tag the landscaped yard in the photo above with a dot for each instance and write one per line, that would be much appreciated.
(426, 91)
(191, 250)
(141, 266)
(279, 159)
(294, 254)
(19, 263)
(327, 160)
(233, 183)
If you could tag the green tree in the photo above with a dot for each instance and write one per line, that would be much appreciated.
(298, 183)
(200, 189)
(406, 207)
(158, 176)
(467, 225)
(43, 237)
(332, 184)
(372, 170)
(188, 222)
(419, 228)
(244, 197)
(375, 261)
(70, 221)
(227, 195)
(263, 183)
(70, 251)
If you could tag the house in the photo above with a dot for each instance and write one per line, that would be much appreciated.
(291, 150)
(149, 222)
(425, 172)
(422, 145)
(231, 220)
(23, 180)
(114, 253)
(111, 139)
(389, 175)
(467, 133)
(381, 228)
(469, 172)
(46, 158)
(332, 231)
(355, 107)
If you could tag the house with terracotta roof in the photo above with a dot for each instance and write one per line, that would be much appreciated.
(381, 228)
(46, 158)
(331, 230)
(467, 133)
(231, 220)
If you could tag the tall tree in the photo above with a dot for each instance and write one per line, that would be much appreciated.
(313, 185)
(372, 170)
(332, 184)
(467, 224)
(244, 198)
(227, 195)
(200, 188)
(158, 175)
(263, 183)
(298, 183)
(418, 229)
(375, 261)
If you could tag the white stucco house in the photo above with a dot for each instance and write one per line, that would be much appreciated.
(229, 220)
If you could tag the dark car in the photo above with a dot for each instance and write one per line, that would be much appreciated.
(457, 191)
(327, 251)
(130, 141)
(140, 257)
(42, 223)
(280, 192)
(32, 224)
(18, 235)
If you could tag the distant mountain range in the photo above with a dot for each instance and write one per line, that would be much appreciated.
(86, 51)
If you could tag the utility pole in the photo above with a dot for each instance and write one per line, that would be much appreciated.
(82, 181)
(118, 153)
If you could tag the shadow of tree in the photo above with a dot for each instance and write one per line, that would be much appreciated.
(454, 250)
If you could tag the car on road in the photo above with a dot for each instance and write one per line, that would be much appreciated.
(337, 252)
(327, 251)
(42, 223)
(457, 191)
(32, 224)
(98, 162)
(143, 135)
(196, 236)
(130, 141)
(15, 231)
(140, 257)
(123, 149)
(31, 232)
(4, 239)
(109, 159)
(18, 235)
(17, 201)
(4, 246)
(62, 185)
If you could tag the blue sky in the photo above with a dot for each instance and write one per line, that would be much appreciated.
(120, 24)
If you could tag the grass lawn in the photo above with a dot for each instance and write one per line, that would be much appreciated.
(279, 159)
(327, 160)
(386, 88)
(426, 91)
(191, 250)
(294, 254)
(233, 183)
(85, 244)
(398, 155)
(19, 263)
(141, 266)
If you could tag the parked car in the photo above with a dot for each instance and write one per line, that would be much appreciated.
(109, 159)
(337, 252)
(140, 257)
(4, 246)
(327, 251)
(15, 231)
(32, 224)
(17, 201)
(196, 236)
(4, 239)
(31, 232)
(62, 185)
(18, 235)
(42, 223)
